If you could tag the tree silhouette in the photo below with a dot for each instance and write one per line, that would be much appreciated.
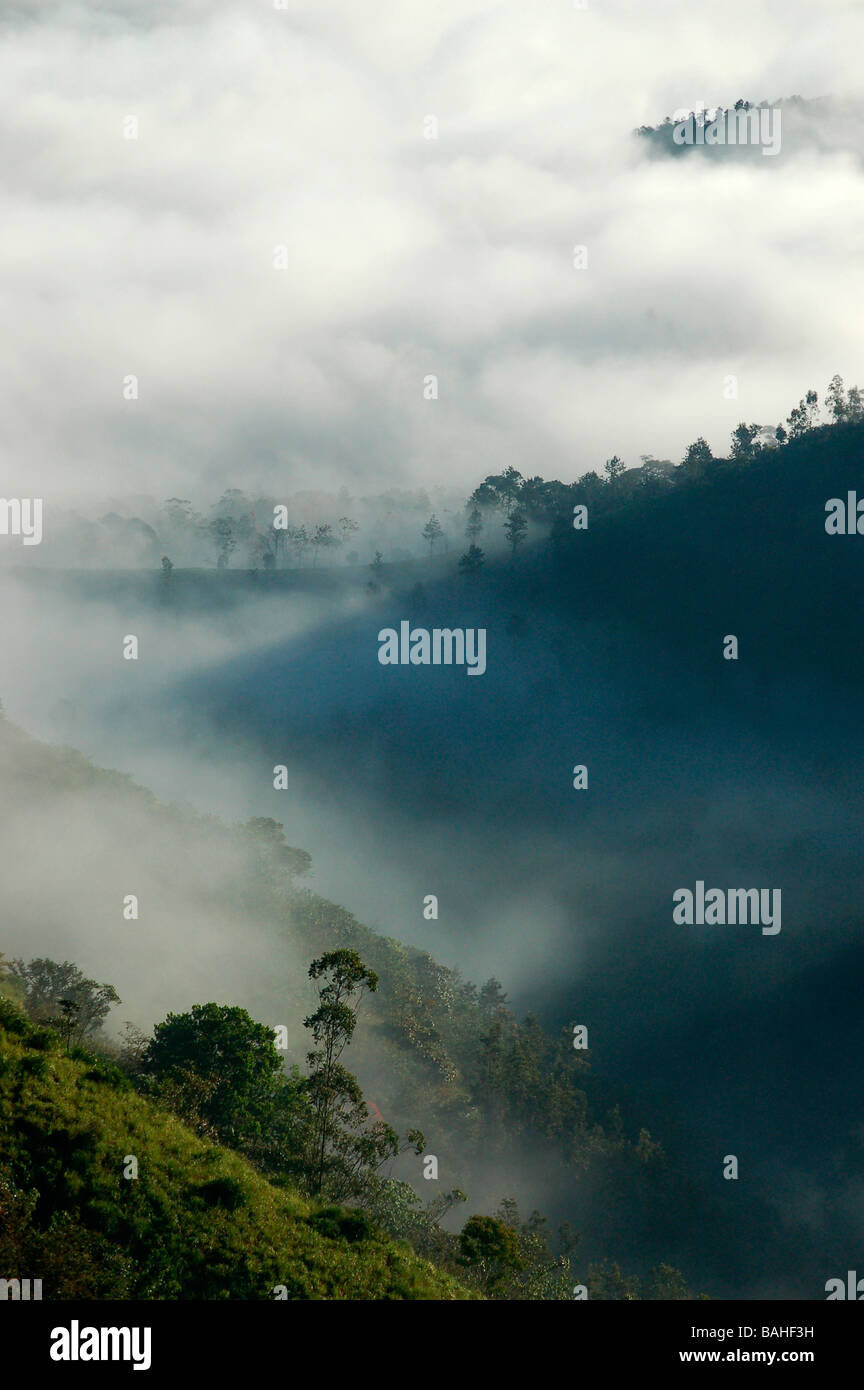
(433, 532)
(515, 528)
(474, 525)
(472, 561)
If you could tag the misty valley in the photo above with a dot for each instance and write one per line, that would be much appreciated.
(394, 843)
(430, 695)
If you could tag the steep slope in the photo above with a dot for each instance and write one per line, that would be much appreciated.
(194, 1222)
(508, 1109)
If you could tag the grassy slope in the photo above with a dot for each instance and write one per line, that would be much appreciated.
(66, 1127)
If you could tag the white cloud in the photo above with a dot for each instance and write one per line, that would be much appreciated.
(304, 128)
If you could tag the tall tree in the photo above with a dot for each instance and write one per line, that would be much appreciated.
(323, 537)
(336, 1097)
(743, 448)
(433, 532)
(698, 457)
(515, 528)
(835, 399)
(223, 534)
(803, 416)
(474, 525)
(501, 490)
(346, 1151)
(59, 993)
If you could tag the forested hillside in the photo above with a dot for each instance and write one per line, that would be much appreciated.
(192, 1221)
(492, 1096)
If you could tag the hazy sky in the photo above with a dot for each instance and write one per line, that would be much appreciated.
(303, 128)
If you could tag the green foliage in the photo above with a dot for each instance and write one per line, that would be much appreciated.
(606, 1283)
(218, 1070)
(198, 1223)
(515, 1259)
(219, 1065)
(396, 1208)
(59, 993)
(337, 1223)
(10, 987)
(502, 1255)
(343, 1151)
(223, 1192)
(108, 1075)
(73, 1261)
(33, 1066)
(12, 1018)
(803, 416)
(491, 1247)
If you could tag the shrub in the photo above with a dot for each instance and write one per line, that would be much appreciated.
(223, 1192)
(338, 1224)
